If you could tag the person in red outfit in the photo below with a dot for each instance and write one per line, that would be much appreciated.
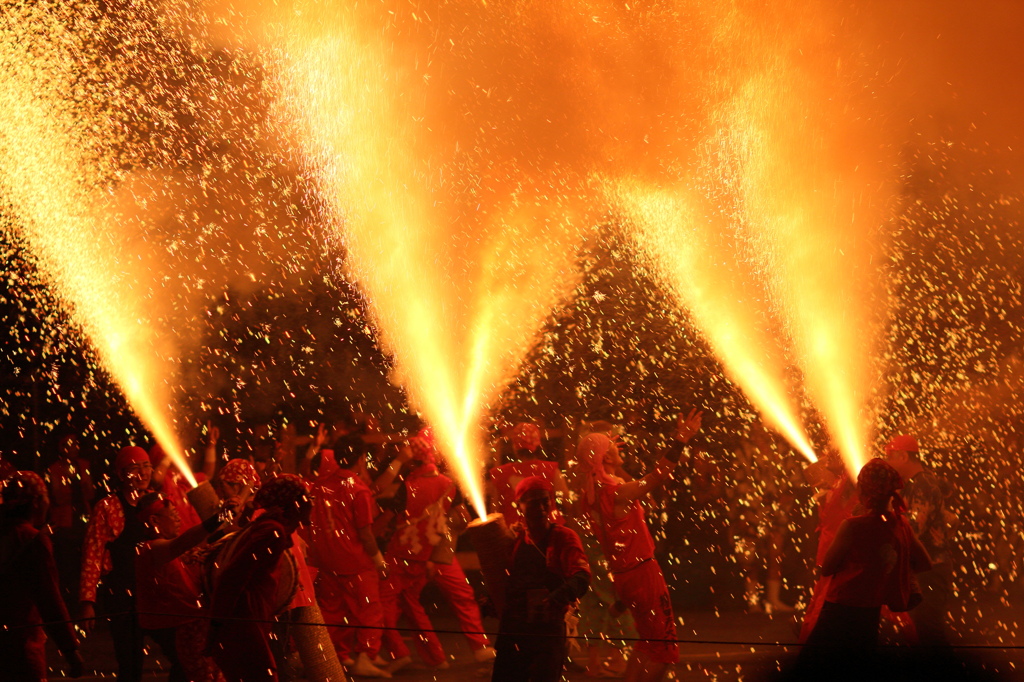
(343, 548)
(29, 593)
(428, 496)
(108, 567)
(247, 585)
(169, 581)
(548, 572)
(71, 496)
(871, 562)
(614, 506)
(526, 441)
(837, 502)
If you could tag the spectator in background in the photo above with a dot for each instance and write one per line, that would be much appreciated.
(343, 548)
(172, 485)
(526, 441)
(71, 496)
(423, 504)
(29, 593)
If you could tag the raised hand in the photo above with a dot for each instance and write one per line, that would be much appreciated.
(687, 427)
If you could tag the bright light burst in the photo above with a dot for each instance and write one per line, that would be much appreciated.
(694, 262)
(48, 180)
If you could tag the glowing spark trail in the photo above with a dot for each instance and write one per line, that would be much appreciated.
(44, 175)
(682, 249)
(460, 249)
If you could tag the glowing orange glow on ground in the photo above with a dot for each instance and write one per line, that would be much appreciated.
(60, 214)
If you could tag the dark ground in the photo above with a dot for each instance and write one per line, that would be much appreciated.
(712, 655)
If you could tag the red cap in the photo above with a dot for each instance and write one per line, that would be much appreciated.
(526, 436)
(132, 454)
(531, 484)
(423, 447)
(901, 444)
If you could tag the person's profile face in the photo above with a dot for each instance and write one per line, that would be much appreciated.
(613, 456)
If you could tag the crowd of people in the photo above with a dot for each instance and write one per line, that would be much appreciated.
(354, 523)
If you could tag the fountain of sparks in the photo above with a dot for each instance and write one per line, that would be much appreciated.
(57, 208)
(767, 233)
(689, 254)
(814, 185)
(460, 246)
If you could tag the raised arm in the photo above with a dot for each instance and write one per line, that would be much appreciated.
(686, 428)
(210, 451)
(169, 550)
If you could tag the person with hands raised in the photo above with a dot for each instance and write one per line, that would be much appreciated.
(618, 519)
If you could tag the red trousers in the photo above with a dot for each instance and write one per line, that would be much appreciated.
(400, 593)
(643, 590)
(356, 600)
(457, 590)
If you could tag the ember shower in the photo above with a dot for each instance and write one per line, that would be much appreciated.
(464, 148)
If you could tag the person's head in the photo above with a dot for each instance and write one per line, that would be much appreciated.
(877, 482)
(350, 453)
(926, 500)
(534, 496)
(133, 468)
(236, 483)
(158, 460)
(159, 515)
(602, 446)
(424, 452)
(69, 446)
(25, 498)
(286, 499)
(902, 453)
(526, 438)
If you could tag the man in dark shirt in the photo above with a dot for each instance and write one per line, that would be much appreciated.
(547, 573)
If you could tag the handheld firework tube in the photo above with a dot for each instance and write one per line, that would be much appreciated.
(204, 500)
(319, 659)
(493, 542)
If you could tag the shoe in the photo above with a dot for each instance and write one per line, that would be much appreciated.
(364, 667)
(443, 665)
(485, 654)
(380, 662)
(399, 663)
